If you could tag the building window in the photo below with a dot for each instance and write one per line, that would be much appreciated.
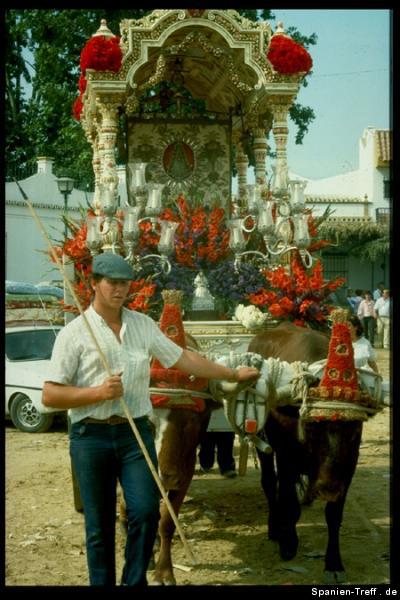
(335, 265)
(387, 188)
(383, 216)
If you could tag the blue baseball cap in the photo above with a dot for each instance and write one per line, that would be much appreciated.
(112, 266)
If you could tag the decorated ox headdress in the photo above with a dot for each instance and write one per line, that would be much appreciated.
(172, 326)
(338, 396)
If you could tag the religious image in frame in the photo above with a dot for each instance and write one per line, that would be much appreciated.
(190, 158)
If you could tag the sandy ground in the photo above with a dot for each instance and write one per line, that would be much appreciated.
(223, 520)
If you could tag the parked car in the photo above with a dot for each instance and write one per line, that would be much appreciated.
(28, 352)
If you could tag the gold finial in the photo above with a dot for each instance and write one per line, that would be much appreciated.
(104, 30)
(172, 297)
(279, 27)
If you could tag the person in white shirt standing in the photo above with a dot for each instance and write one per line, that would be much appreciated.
(382, 310)
(366, 313)
(364, 354)
(103, 448)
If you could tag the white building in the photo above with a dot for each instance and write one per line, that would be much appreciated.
(358, 199)
(26, 249)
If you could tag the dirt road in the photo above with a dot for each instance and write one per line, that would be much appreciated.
(223, 520)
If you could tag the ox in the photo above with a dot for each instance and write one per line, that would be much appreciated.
(326, 451)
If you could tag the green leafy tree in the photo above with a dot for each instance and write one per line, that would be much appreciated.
(42, 70)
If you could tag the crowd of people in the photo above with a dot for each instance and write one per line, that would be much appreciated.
(373, 309)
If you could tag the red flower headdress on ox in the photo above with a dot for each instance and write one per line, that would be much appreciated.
(338, 396)
(172, 326)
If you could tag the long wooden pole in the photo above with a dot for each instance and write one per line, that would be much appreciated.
(108, 370)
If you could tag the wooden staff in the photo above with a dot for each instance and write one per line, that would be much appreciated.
(108, 370)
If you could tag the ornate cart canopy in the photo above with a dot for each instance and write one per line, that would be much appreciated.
(205, 74)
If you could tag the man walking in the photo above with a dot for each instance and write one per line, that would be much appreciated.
(382, 310)
(103, 447)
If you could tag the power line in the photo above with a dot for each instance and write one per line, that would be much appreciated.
(349, 73)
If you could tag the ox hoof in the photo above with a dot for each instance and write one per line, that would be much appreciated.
(332, 577)
(288, 543)
(163, 580)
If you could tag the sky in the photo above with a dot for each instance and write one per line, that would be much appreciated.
(349, 89)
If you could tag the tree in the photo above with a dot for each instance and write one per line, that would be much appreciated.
(42, 51)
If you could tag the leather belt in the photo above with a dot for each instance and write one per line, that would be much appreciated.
(113, 420)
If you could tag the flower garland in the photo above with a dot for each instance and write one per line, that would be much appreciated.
(299, 297)
(287, 56)
(202, 238)
(141, 291)
(201, 242)
(100, 53)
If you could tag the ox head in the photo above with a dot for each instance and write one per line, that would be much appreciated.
(332, 449)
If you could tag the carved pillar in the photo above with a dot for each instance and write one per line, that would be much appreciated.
(242, 163)
(96, 162)
(260, 147)
(280, 110)
(108, 183)
(107, 142)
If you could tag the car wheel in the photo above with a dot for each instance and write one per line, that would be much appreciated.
(26, 418)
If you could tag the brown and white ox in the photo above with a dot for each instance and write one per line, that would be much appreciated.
(326, 451)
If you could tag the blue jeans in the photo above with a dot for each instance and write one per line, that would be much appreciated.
(369, 328)
(101, 455)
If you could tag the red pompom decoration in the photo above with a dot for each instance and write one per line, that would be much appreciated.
(77, 108)
(101, 54)
(287, 56)
(82, 83)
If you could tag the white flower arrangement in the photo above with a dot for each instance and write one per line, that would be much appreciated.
(251, 317)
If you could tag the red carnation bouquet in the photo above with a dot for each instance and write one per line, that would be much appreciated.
(287, 56)
(301, 296)
(100, 53)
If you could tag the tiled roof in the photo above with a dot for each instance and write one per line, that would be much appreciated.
(383, 145)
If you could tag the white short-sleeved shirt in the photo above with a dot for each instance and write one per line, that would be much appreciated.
(363, 351)
(382, 305)
(76, 361)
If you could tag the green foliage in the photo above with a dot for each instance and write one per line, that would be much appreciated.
(302, 116)
(367, 240)
(371, 251)
(39, 120)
